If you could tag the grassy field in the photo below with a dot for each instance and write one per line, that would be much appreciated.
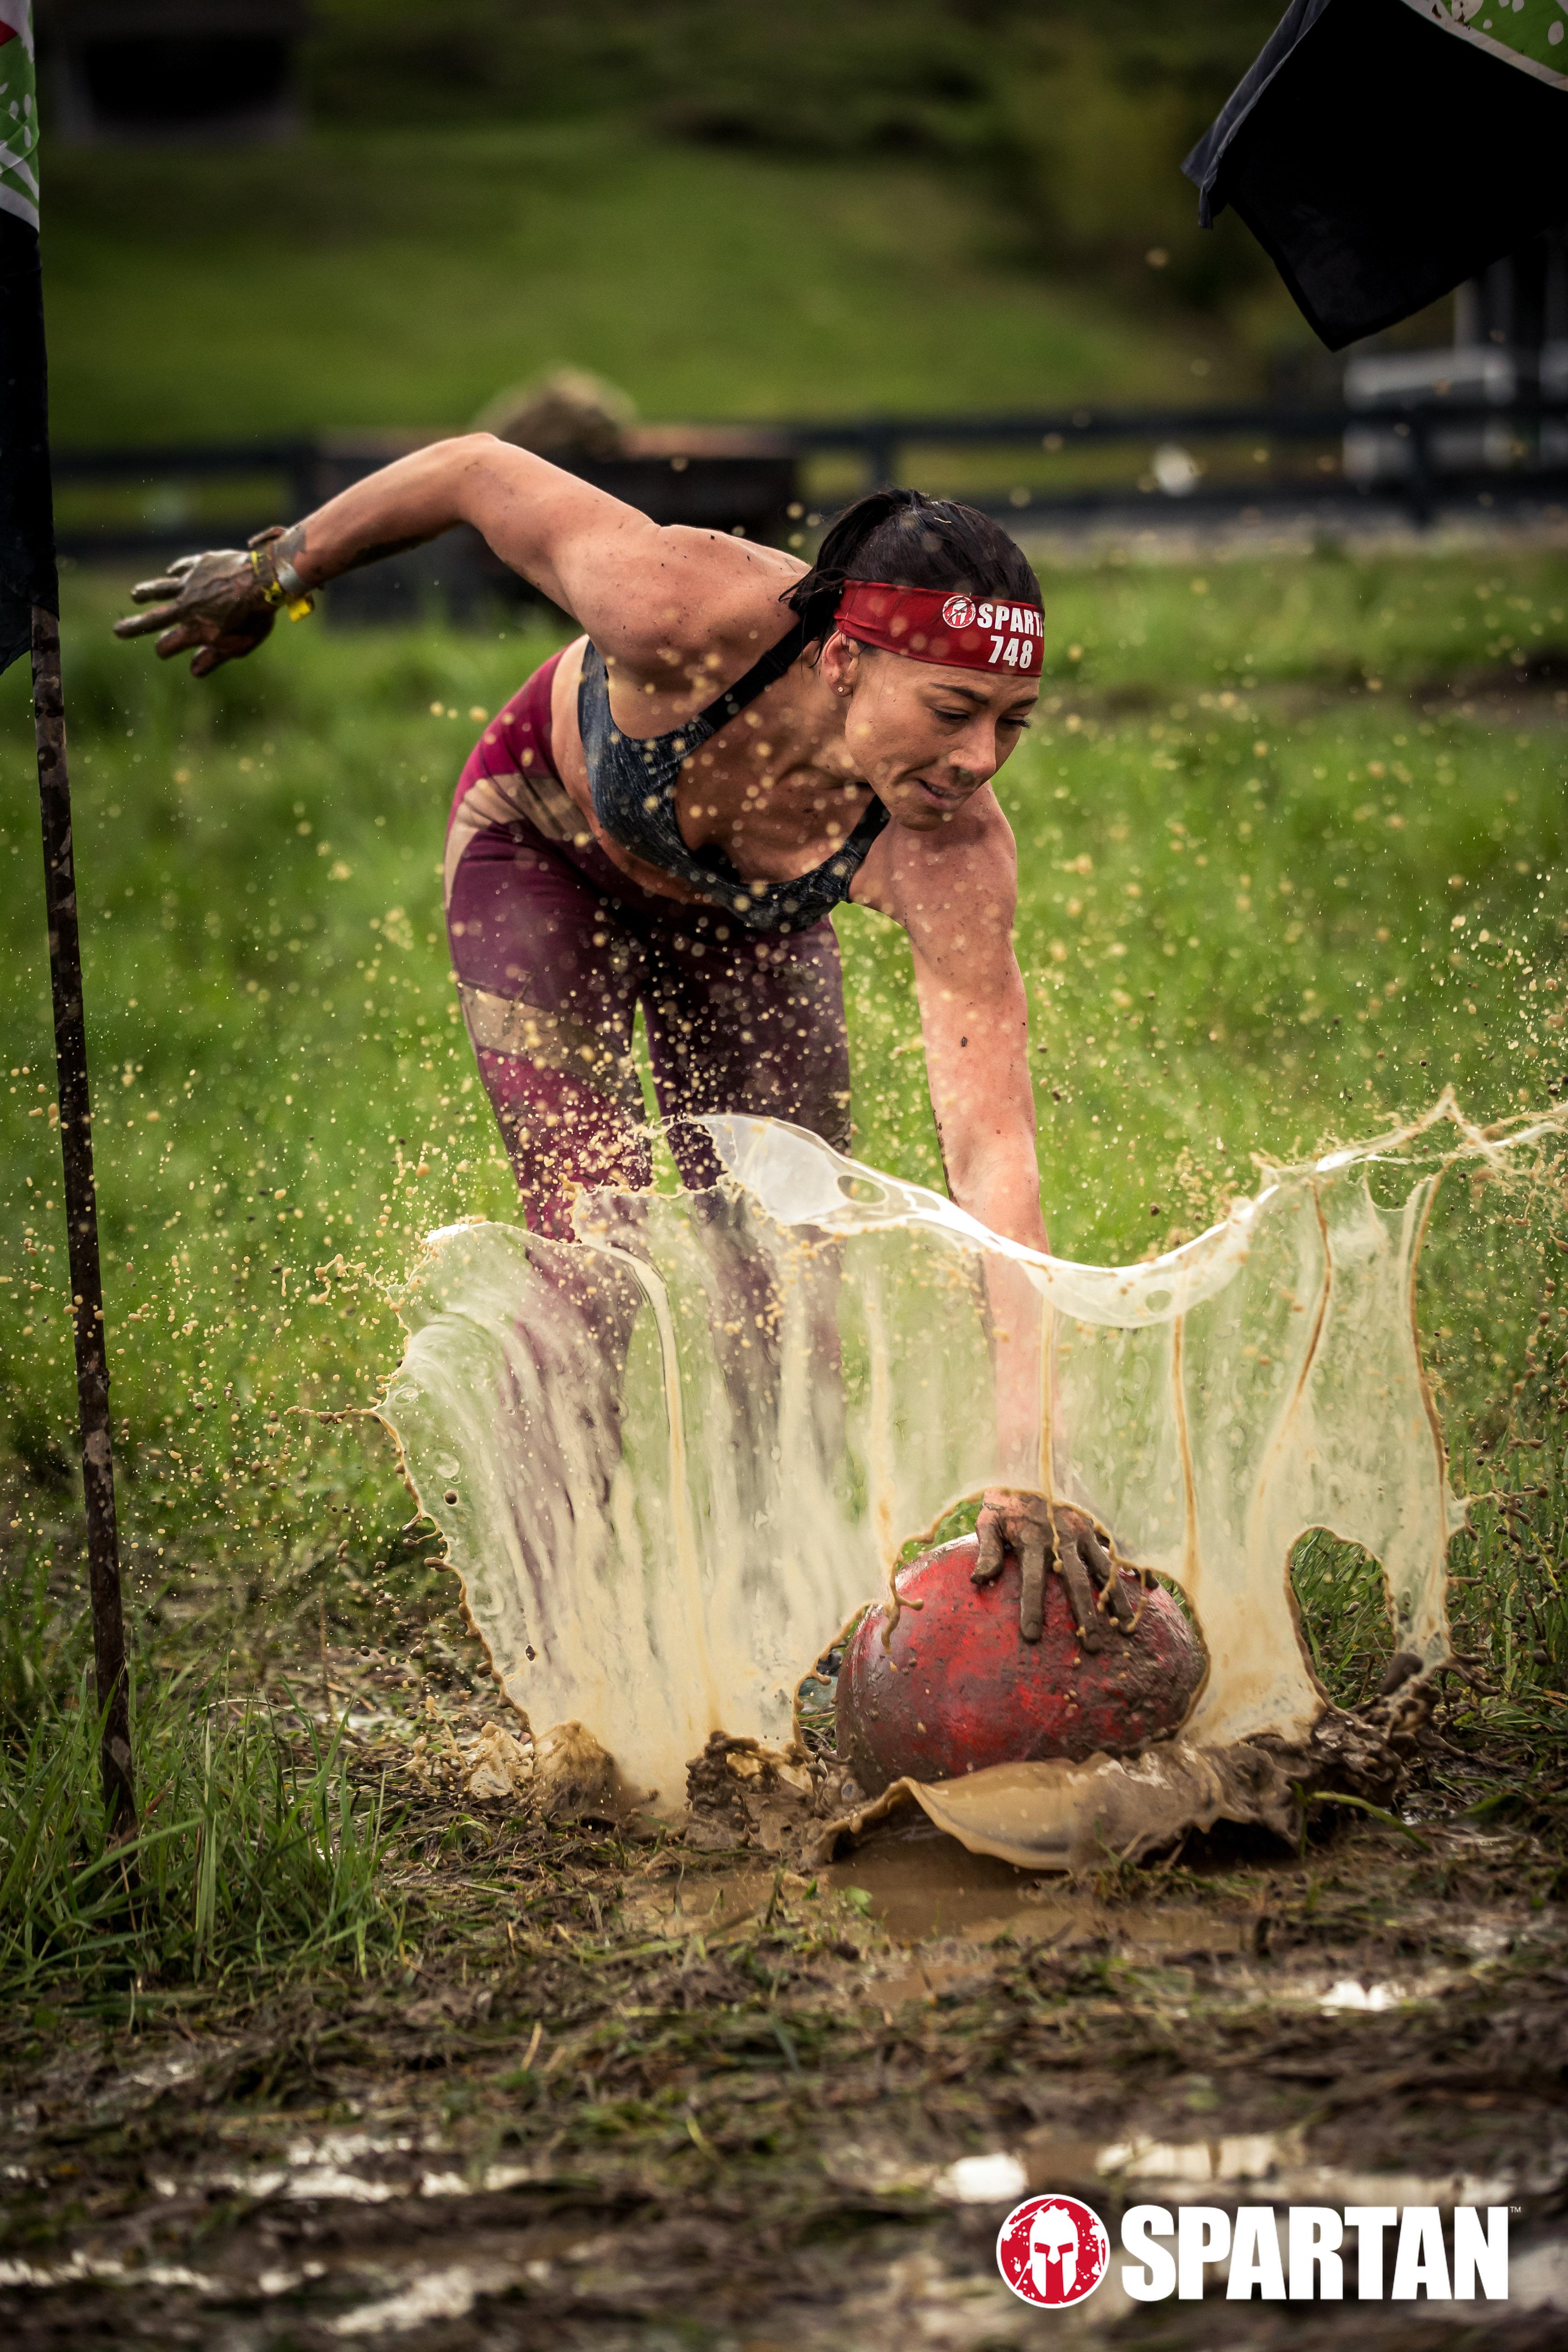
(1285, 875)
(1287, 835)
(1278, 883)
(359, 280)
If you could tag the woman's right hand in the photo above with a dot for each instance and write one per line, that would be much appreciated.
(1041, 1534)
(213, 602)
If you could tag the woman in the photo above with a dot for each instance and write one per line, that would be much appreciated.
(669, 810)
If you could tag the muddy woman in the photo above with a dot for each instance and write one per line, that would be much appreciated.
(666, 813)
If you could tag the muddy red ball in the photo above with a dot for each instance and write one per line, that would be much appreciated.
(958, 1688)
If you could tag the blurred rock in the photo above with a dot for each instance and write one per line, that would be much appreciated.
(567, 414)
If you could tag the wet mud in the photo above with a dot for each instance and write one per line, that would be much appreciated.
(666, 2096)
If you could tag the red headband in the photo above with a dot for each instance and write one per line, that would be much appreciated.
(936, 625)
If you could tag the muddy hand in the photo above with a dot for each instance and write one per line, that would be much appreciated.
(1040, 1535)
(212, 602)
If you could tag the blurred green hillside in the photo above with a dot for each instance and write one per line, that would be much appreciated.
(1074, 116)
(339, 287)
(729, 212)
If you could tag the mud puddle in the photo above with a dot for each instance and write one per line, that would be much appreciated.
(673, 2098)
(925, 1887)
(1276, 2167)
(920, 1886)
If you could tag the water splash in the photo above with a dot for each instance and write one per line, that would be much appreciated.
(672, 1460)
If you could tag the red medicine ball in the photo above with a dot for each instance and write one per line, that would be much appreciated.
(958, 1688)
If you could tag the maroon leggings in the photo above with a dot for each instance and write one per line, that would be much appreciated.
(554, 949)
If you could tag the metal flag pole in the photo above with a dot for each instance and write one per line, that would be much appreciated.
(29, 608)
(81, 1221)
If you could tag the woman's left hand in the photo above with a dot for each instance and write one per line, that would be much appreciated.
(1038, 1533)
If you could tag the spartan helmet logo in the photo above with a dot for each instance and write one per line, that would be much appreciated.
(1052, 2249)
(959, 611)
(1053, 2238)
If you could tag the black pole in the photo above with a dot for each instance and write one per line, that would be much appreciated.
(81, 1222)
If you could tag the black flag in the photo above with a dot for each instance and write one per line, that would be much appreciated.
(27, 514)
(1383, 150)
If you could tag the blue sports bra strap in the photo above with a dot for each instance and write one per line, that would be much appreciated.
(633, 780)
(758, 678)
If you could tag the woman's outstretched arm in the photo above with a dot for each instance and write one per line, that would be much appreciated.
(956, 896)
(631, 583)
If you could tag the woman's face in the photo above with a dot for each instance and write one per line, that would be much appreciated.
(923, 736)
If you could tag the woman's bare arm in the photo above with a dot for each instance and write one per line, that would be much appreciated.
(956, 893)
(646, 593)
(974, 1016)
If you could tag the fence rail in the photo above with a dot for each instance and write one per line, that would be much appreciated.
(1407, 449)
(1421, 458)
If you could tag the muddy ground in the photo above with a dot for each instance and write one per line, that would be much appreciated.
(631, 2090)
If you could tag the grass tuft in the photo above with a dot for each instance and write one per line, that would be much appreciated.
(256, 1857)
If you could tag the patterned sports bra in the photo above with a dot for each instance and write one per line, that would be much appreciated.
(633, 780)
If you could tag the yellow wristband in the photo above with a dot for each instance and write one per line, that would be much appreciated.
(275, 591)
(272, 593)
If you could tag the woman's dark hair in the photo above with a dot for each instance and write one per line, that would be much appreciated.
(911, 541)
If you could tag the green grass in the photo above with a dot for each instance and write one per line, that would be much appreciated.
(1263, 907)
(1264, 878)
(364, 278)
(1230, 950)
(255, 1858)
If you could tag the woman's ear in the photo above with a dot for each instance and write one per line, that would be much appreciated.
(841, 664)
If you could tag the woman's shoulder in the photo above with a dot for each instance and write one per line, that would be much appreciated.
(696, 593)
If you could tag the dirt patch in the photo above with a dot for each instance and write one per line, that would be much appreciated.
(629, 2090)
